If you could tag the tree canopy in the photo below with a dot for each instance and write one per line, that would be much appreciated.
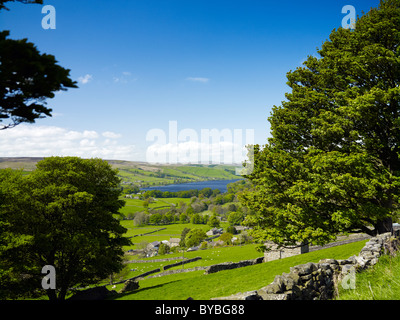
(194, 237)
(332, 163)
(2, 2)
(62, 214)
(27, 79)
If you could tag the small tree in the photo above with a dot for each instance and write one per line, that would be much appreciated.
(182, 242)
(194, 237)
(213, 222)
(196, 219)
(235, 218)
(140, 219)
(143, 246)
(164, 249)
(189, 211)
(183, 218)
(155, 218)
(226, 238)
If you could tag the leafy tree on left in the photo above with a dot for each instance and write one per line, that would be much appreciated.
(62, 214)
(27, 79)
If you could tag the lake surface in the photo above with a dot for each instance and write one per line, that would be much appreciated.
(213, 184)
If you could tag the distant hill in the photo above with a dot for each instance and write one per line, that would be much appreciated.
(26, 163)
(143, 174)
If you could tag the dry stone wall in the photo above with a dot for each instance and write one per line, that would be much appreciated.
(232, 265)
(317, 281)
(181, 263)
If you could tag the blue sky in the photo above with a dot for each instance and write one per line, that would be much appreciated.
(141, 64)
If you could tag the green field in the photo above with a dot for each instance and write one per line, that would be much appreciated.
(171, 231)
(136, 205)
(378, 283)
(209, 257)
(203, 287)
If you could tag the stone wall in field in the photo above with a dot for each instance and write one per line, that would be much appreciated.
(232, 265)
(313, 281)
(139, 276)
(181, 263)
(274, 252)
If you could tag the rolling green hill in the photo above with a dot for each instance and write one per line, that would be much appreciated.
(142, 174)
(145, 175)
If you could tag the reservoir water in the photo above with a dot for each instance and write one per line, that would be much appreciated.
(213, 184)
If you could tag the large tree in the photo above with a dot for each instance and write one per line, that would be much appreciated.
(332, 163)
(62, 214)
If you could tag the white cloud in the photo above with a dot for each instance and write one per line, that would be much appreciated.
(196, 152)
(198, 79)
(125, 77)
(43, 141)
(85, 79)
(111, 135)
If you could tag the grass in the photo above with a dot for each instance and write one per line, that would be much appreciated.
(203, 287)
(136, 205)
(382, 282)
(171, 231)
(208, 257)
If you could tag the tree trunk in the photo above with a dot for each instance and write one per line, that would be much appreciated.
(62, 294)
(51, 293)
(384, 225)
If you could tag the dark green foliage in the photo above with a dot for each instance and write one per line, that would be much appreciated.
(194, 237)
(27, 79)
(3, 6)
(213, 222)
(61, 215)
(185, 231)
(332, 164)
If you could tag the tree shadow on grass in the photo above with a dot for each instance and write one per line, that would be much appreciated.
(132, 293)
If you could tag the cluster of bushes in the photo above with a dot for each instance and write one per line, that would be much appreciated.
(143, 218)
(232, 213)
(206, 192)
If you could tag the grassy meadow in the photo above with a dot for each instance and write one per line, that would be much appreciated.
(171, 231)
(203, 287)
(136, 205)
(382, 282)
